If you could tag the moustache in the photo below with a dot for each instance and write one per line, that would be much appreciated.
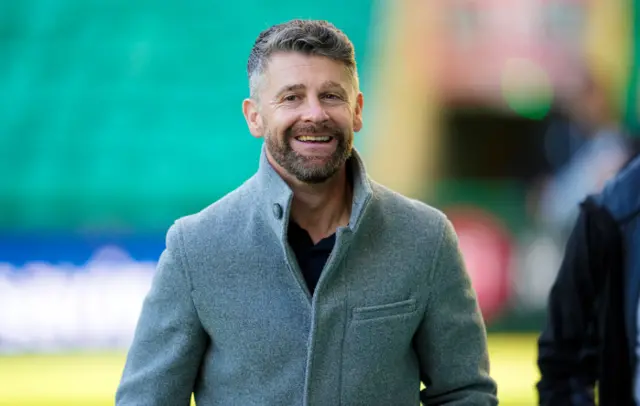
(297, 130)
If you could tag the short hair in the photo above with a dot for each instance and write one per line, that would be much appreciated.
(311, 37)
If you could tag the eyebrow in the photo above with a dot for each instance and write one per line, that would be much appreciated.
(329, 84)
(289, 88)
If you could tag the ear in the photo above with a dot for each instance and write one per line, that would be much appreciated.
(253, 118)
(357, 115)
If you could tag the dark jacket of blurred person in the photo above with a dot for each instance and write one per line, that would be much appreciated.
(310, 284)
(592, 337)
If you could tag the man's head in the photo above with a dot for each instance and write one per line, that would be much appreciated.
(595, 105)
(305, 98)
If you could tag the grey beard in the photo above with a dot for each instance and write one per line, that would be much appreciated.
(299, 167)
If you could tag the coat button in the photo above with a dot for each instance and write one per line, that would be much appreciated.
(277, 211)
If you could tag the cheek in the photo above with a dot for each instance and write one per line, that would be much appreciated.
(345, 119)
(280, 122)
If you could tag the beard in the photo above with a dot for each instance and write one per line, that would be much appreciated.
(307, 169)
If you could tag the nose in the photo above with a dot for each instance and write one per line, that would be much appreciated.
(314, 111)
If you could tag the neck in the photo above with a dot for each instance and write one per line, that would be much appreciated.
(320, 208)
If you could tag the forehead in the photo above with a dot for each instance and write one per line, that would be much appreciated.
(293, 68)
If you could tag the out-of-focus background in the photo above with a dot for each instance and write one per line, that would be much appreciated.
(117, 117)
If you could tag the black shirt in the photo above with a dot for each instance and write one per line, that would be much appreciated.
(311, 258)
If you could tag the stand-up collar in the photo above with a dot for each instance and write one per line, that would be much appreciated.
(276, 196)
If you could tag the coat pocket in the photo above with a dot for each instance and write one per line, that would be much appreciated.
(386, 310)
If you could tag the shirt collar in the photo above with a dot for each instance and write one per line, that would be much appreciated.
(275, 196)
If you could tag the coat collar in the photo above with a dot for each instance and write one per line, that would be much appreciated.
(275, 196)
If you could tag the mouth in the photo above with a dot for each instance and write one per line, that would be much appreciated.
(314, 139)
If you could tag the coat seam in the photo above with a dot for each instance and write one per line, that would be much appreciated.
(184, 262)
(436, 260)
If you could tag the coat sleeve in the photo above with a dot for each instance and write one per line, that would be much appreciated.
(169, 341)
(451, 342)
(567, 347)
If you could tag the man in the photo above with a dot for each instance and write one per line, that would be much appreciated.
(602, 148)
(309, 284)
(592, 334)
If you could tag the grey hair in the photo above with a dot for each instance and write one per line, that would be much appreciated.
(311, 37)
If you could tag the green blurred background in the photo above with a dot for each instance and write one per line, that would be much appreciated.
(117, 117)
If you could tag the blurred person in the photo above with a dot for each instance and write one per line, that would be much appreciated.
(310, 283)
(592, 337)
(563, 137)
(596, 151)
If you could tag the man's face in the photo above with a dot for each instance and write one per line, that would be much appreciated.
(307, 111)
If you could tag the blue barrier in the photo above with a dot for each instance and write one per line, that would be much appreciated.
(60, 293)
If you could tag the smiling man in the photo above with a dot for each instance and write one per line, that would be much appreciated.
(310, 284)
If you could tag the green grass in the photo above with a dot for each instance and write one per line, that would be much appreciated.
(91, 379)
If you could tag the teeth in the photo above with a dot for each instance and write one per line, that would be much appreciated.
(314, 139)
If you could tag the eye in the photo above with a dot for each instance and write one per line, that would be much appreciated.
(290, 98)
(332, 96)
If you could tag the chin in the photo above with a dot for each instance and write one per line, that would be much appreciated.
(316, 175)
(313, 180)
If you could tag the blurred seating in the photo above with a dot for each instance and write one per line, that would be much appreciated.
(124, 115)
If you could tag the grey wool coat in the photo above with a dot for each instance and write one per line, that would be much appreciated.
(230, 319)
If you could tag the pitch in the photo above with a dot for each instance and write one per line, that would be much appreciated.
(91, 379)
